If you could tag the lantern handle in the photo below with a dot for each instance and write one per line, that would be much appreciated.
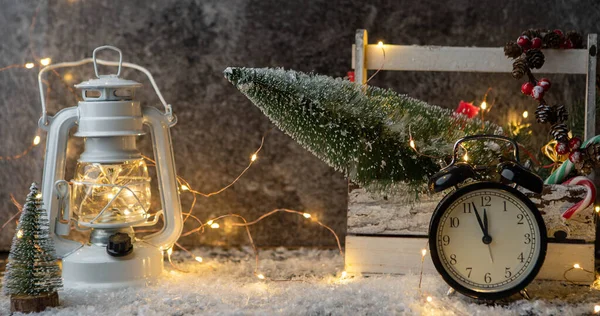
(96, 64)
(44, 120)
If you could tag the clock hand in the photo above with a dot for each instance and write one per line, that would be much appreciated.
(487, 239)
(490, 251)
(485, 223)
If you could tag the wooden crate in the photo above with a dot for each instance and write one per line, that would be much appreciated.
(386, 233)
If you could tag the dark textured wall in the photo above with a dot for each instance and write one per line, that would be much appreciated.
(187, 44)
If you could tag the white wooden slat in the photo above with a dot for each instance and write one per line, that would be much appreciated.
(358, 55)
(467, 59)
(398, 255)
(590, 88)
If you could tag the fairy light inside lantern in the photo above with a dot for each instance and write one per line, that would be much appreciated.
(483, 105)
(36, 140)
(597, 309)
(380, 44)
(20, 233)
(306, 215)
(214, 225)
(525, 114)
(597, 208)
(29, 65)
(253, 157)
(577, 266)
(45, 61)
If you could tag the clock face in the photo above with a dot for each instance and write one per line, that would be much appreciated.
(487, 240)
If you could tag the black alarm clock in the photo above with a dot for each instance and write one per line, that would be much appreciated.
(487, 239)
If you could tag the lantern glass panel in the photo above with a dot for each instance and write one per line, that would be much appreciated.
(111, 193)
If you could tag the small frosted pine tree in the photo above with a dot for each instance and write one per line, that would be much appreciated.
(32, 268)
(370, 134)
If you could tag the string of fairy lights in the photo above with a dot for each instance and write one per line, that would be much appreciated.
(213, 223)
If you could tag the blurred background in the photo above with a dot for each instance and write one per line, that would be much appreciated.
(187, 44)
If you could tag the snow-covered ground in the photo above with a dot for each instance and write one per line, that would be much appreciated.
(302, 282)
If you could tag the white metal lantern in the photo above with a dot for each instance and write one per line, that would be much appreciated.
(110, 191)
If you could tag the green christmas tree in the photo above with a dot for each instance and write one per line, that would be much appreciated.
(32, 268)
(364, 132)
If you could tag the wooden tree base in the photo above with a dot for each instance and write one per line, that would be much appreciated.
(33, 304)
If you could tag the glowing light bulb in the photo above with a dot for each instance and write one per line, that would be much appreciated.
(36, 140)
(483, 105)
(423, 252)
(185, 188)
(68, 77)
(597, 208)
(380, 44)
(38, 196)
(306, 215)
(577, 266)
(429, 299)
(260, 276)
(199, 259)
(45, 61)
(254, 157)
(597, 309)
(29, 65)
(214, 225)
(344, 274)
(412, 144)
(209, 222)
(110, 196)
(20, 233)
(525, 114)
(170, 251)
(466, 157)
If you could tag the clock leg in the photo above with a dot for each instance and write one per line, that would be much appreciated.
(450, 292)
(525, 294)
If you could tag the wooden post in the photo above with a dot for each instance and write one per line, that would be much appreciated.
(590, 89)
(360, 61)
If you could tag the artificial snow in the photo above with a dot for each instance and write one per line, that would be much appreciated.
(303, 282)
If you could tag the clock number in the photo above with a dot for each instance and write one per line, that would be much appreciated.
(454, 222)
(507, 273)
(467, 208)
(527, 239)
(487, 278)
(486, 201)
(446, 240)
(470, 270)
(520, 218)
(521, 258)
(453, 259)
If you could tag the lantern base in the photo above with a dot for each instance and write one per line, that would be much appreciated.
(92, 267)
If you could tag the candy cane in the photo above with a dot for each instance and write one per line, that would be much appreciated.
(590, 197)
(559, 174)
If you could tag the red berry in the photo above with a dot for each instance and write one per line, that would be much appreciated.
(536, 42)
(561, 148)
(575, 156)
(559, 32)
(537, 92)
(544, 83)
(568, 44)
(527, 87)
(524, 42)
(574, 143)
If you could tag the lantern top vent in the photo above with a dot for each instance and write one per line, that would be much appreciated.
(108, 87)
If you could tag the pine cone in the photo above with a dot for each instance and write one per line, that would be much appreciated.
(512, 50)
(534, 58)
(560, 132)
(575, 38)
(551, 40)
(561, 112)
(519, 68)
(531, 33)
(544, 114)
